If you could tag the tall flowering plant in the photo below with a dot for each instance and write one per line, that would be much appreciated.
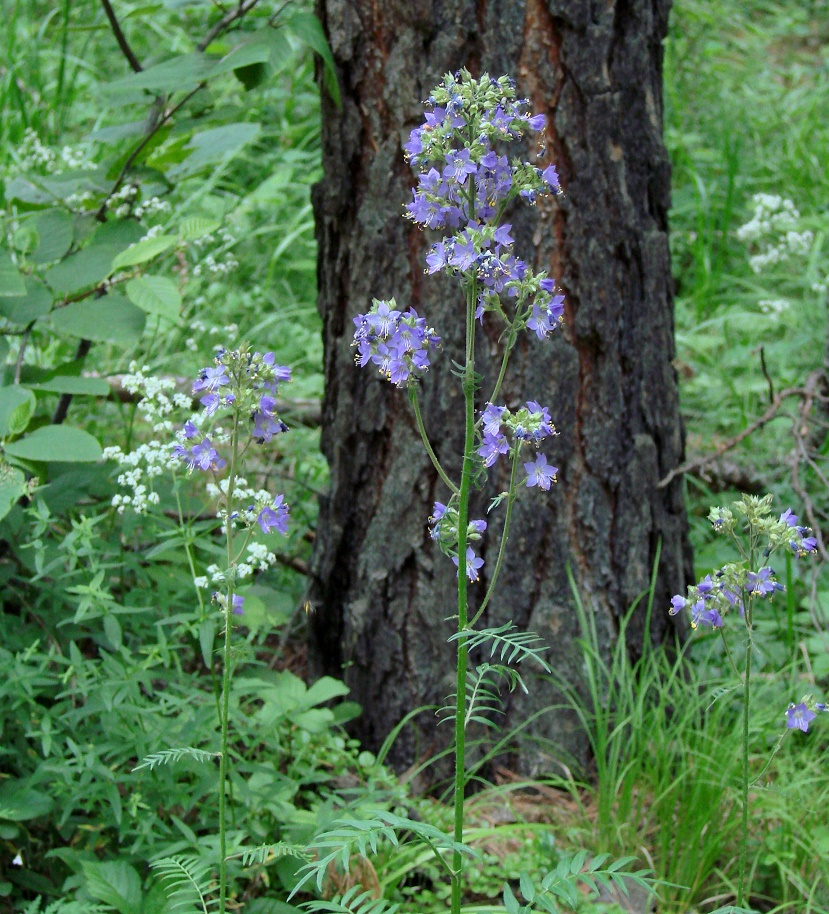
(238, 412)
(728, 601)
(466, 183)
(239, 389)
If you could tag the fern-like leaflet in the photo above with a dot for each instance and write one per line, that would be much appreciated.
(267, 853)
(188, 879)
(562, 883)
(170, 756)
(359, 836)
(507, 642)
(353, 902)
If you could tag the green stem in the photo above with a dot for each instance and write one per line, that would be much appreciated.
(231, 481)
(504, 362)
(744, 824)
(415, 401)
(503, 547)
(463, 525)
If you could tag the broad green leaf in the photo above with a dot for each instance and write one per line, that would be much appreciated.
(57, 444)
(112, 318)
(16, 407)
(308, 30)
(155, 295)
(19, 803)
(54, 228)
(214, 145)
(207, 635)
(72, 384)
(87, 268)
(11, 279)
(118, 132)
(143, 251)
(115, 883)
(34, 304)
(12, 488)
(22, 189)
(324, 690)
(179, 74)
(119, 233)
(196, 227)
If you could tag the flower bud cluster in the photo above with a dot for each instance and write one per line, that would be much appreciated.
(783, 532)
(443, 525)
(397, 342)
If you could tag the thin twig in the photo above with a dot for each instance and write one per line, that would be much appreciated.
(766, 374)
(121, 38)
(698, 463)
(241, 10)
(62, 408)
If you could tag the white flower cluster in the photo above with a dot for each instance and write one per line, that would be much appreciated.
(228, 332)
(153, 232)
(122, 200)
(773, 306)
(79, 201)
(243, 494)
(773, 229)
(220, 262)
(148, 461)
(257, 558)
(821, 286)
(32, 155)
(152, 207)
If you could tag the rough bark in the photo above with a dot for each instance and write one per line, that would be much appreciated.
(380, 591)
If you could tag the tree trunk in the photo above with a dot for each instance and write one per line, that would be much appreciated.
(380, 590)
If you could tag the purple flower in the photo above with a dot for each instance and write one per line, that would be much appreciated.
(438, 258)
(762, 584)
(274, 517)
(236, 605)
(702, 616)
(473, 564)
(491, 418)
(211, 379)
(206, 457)
(537, 122)
(203, 456)
(798, 717)
(491, 447)
(788, 518)
(477, 526)
(190, 430)
(550, 176)
(502, 234)
(540, 473)
(678, 603)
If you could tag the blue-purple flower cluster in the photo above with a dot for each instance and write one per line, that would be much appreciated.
(709, 600)
(800, 542)
(528, 424)
(464, 185)
(398, 342)
(243, 379)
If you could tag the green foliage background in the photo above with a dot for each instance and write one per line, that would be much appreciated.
(107, 649)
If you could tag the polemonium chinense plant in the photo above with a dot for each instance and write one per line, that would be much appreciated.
(466, 182)
(239, 411)
(730, 598)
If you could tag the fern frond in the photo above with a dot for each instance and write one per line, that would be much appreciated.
(188, 879)
(267, 853)
(353, 902)
(167, 756)
(361, 836)
(562, 883)
(506, 641)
